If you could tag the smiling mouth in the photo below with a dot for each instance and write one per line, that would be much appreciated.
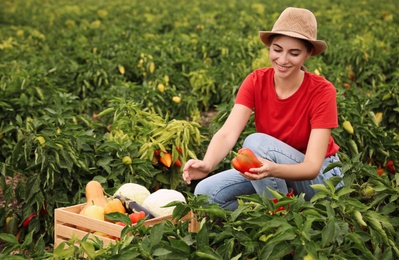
(282, 68)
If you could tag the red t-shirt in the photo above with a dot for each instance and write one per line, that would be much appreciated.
(290, 120)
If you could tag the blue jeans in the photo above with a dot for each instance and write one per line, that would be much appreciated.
(223, 187)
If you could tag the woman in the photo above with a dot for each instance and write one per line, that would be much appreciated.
(295, 112)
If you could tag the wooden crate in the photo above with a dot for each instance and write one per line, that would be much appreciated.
(68, 218)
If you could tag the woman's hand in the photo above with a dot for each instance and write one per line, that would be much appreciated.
(195, 170)
(259, 173)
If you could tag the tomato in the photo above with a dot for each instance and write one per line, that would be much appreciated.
(135, 217)
(120, 223)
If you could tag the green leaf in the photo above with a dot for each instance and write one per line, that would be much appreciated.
(202, 239)
(236, 213)
(118, 217)
(237, 257)
(181, 209)
(214, 211)
(310, 212)
(28, 238)
(105, 163)
(227, 248)
(384, 221)
(318, 196)
(307, 225)
(328, 233)
(9, 238)
(207, 253)
(394, 197)
(180, 246)
(321, 187)
(88, 248)
(34, 187)
(332, 166)
(156, 234)
(161, 252)
(356, 204)
(40, 246)
(274, 193)
(106, 111)
(275, 251)
(11, 257)
(344, 191)
(287, 235)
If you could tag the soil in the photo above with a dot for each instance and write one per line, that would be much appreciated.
(206, 117)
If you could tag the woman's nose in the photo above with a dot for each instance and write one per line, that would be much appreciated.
(282, 58)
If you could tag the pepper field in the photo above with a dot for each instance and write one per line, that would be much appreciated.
(104, 89)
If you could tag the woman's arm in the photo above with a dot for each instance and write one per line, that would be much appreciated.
(225, 139)
(222, 142)
(307, 170)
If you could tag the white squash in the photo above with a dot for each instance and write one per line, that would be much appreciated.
(156, 200)
(133, 192)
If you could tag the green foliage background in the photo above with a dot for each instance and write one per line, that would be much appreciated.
(83, 76)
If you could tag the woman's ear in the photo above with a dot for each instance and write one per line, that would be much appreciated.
(309, 54)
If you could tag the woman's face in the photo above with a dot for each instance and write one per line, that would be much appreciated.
(287, 55)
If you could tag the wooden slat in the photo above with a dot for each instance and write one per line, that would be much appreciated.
(67, 220)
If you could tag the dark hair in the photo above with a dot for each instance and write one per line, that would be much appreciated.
(309, 46)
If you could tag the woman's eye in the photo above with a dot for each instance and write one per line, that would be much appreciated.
(277, 50)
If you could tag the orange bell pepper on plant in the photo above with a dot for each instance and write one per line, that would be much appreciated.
(245, 160)
(166, 159)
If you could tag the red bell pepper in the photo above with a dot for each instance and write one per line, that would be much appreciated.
(136, 216)
(245, 160)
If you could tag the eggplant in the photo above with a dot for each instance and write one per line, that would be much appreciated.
(135, 207)
(132, 206)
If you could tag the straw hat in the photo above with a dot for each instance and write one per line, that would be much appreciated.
(299, 23)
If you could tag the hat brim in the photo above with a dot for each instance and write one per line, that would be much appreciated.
(319, 45)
